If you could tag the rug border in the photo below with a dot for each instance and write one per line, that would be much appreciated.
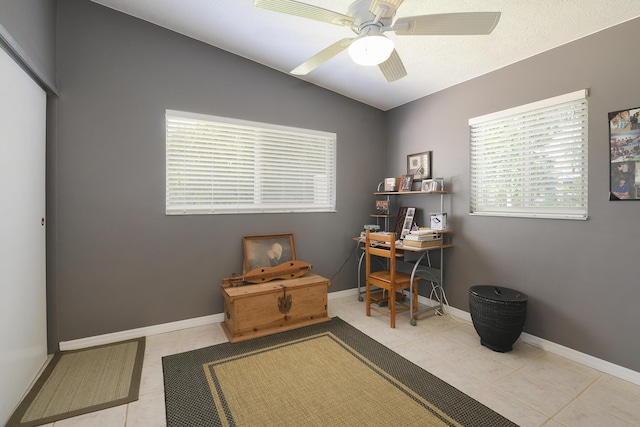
(27, 400)
(456, 404)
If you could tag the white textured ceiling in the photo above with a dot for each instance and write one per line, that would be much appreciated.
(433, 63)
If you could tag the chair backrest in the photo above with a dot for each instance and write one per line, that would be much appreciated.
(381, 245)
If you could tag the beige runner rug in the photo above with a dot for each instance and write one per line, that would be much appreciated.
(328, 374)
(80, 381)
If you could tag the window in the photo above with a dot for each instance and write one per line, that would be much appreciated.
(218, 165)
(531, 161)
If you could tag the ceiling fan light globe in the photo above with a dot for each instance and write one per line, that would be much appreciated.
(371, 50)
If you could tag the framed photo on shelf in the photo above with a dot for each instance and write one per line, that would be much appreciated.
(268, 250)
(406, 181)
(624, 148)
(419, 165)
(382, 207)
(429, 185)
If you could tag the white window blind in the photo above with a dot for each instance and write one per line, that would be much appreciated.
(218, 165)
(531, 161)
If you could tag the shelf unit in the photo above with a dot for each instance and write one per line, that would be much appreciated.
(388, 194)
(416, 261)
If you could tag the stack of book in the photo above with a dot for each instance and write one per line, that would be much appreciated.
(422, 239)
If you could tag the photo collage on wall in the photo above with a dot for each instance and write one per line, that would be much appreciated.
(624, 139)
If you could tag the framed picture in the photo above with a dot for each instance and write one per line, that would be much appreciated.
(404, 213)
(268, 251)
(408, 222)
(406, 181)
(429, 185)
(382, 207)
(419, 165)
(624, 148)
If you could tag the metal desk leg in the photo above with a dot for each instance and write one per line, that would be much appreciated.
(440, 309)
(436, 283)
(359, 270)
(412, 310)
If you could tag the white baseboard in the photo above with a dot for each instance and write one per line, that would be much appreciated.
(568, 353)
(140, 332)
(162, 328)
(585, 359)
(551, 347)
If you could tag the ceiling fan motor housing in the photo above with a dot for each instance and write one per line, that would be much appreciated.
(363, 18)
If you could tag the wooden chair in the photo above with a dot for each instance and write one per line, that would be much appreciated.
(390, 282)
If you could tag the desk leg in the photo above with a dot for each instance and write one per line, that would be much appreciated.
(413, 310)
(440, 310)
(359, 275)
(437, 285)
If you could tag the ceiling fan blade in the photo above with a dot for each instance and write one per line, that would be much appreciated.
(393, 68)
(321, 57)
(291, 7)
(447, 24)
(389, 7)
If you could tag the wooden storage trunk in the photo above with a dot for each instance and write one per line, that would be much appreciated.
(252, 311)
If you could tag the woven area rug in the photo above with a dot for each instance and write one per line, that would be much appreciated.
(329, 374)
(80, 381)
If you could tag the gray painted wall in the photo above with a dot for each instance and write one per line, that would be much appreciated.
(31, 25)
(581, 276)
(120, 262)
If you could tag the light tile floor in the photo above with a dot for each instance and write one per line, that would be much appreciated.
(528, 386)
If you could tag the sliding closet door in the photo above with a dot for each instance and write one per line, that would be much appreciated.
(23, 339)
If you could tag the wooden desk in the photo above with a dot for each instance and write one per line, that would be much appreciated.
(252, 311)
(413, 260)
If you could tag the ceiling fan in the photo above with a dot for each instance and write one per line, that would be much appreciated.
(369, 19)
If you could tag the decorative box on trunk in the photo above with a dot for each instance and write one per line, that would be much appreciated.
(252, 311)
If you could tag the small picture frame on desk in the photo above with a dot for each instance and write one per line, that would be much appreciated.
(402, 223)
(408, 222)
(406, 182)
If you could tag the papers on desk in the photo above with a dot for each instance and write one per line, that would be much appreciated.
(422, 236)
(423, 231)
(422, 243)
(422, 239)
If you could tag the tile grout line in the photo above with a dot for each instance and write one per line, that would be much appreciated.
(549, 417)
(591, 386)
(574, 398)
